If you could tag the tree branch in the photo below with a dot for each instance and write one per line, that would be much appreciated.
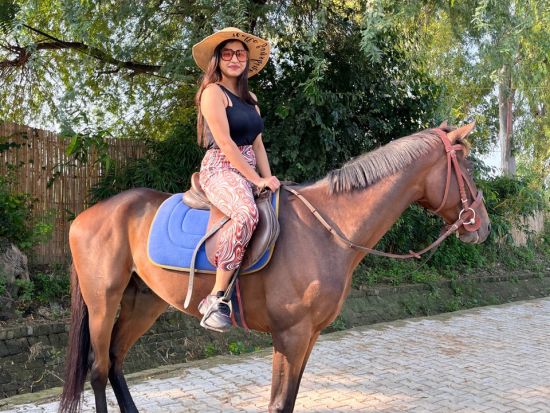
(24, 54)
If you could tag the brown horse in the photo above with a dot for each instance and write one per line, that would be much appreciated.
(299, 293)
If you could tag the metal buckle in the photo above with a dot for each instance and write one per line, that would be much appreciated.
(473, 220)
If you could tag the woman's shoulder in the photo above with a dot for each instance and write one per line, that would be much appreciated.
(214, 91)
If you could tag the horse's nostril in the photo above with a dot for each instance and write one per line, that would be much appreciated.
(489, 227)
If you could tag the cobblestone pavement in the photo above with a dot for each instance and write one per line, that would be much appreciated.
(492, 359)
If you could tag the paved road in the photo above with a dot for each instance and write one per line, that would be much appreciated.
(493, 359)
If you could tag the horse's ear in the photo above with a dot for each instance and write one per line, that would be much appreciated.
(462, 132)
(444, 124)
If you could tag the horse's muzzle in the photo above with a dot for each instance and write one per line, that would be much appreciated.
(470, 237)
(475, 237)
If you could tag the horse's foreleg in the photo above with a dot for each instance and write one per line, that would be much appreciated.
(140, 307)
(312, 342)
(291, 349)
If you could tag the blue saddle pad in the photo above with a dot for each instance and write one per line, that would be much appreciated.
(177, 229)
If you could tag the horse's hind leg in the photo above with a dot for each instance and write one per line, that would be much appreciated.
(102, 285)
(140, 307)
(102, 310)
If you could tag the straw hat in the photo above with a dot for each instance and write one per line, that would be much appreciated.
(258, 49)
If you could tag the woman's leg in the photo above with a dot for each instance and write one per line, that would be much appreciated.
(223, 277)
(232, 194)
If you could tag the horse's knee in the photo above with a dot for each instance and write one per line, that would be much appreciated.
(99, 374)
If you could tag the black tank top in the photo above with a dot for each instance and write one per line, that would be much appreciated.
(244, 122)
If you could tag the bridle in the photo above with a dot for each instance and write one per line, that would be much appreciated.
(474, 222)
(467, 216)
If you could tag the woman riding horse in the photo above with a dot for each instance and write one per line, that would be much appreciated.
(117, 293)
(230, 127)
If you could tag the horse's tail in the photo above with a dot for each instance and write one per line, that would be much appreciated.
(76, 364)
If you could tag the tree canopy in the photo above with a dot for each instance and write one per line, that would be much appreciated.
(492, 60)
(126, 67)
(344, 75)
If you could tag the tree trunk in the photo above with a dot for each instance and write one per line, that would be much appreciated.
(505, 104)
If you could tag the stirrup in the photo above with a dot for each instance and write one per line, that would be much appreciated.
(213, 319)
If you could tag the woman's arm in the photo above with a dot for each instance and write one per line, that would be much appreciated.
(262, 163)
(213, 110)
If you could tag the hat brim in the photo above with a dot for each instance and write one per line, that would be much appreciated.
(258, 49)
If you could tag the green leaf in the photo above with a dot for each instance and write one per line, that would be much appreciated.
(8, 11)
(73, 146)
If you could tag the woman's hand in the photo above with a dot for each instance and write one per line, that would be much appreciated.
(270, 182)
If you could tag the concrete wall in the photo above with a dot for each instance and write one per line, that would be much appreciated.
(526, 227)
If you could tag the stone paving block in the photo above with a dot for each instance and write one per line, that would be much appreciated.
(493, 359)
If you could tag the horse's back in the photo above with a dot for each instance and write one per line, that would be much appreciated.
(117, 213)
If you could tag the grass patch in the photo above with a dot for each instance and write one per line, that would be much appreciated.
(239, 347)
(210, 350)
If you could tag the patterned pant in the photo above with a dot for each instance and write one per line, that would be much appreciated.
(233, 195)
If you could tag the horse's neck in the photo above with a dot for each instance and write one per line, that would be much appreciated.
(364, 216)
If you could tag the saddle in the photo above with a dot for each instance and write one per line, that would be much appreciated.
(264, 236)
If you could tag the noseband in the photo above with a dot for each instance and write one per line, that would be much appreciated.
(467, 216)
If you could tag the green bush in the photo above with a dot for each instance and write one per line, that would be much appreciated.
(50, 287)
(326, 101)
(43, 289)
(456, 255)
(15, 214)
(17, 223)
(507, 199)
(210, 350)
(239, 347)
(513, 196)
(236, 347)
(25, 292)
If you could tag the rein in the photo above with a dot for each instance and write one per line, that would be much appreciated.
(466, 217)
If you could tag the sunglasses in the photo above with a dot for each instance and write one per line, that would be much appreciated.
(227, 55)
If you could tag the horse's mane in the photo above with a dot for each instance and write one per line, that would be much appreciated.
(371, 167)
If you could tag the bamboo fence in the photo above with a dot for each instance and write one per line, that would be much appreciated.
(34, 161)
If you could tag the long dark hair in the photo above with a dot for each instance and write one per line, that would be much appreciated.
(213, 74)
